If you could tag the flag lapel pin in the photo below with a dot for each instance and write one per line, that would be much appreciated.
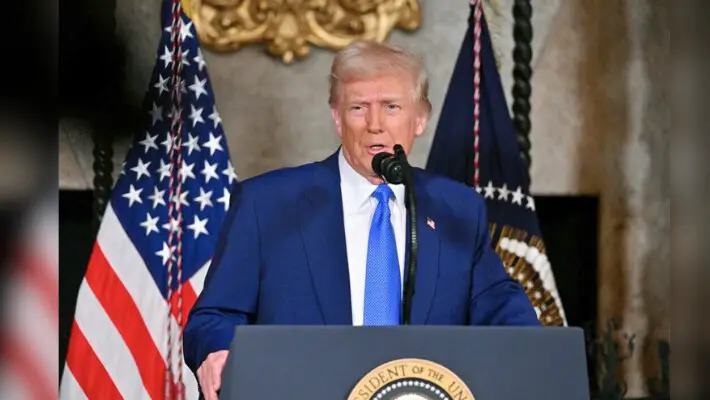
(431, 223)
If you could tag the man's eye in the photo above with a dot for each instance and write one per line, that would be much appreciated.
(393, 107)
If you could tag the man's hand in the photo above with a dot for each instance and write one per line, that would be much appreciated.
(210, 374)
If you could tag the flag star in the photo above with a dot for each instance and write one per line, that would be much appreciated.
(157, 196)
(213, 143)
(186, 171)
(478, 189)
(490, 191)
(184, 60)
(196, 115)
(209, 171)
(503, 193)
(133, 196)
(229, 172)
(183, 199)
(185, 30)
(224, 199)
(181, 84)
(162, 85)
(205, 199)
(150, 224)
(199, 60)
(156, 113)
(149, 142)
(166, 253)
(167, 57)
(174, 115)
(215, 117)
(198, 226)
(168, 144)
(141, 169)
(191, 144)
(165, 169)
(173, 225)
(198, 87)
(518, 196)
(531, 203)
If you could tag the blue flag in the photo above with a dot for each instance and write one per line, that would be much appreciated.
(502, 177)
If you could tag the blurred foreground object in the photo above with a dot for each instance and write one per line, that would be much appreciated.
(156, 237)
(289, 28)
(28, 205)
(30, 302)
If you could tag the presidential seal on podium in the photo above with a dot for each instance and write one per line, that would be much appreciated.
(411, 379)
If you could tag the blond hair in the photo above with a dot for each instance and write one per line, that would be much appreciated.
(365, 59)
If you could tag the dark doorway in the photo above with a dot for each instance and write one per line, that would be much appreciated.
(569, 227)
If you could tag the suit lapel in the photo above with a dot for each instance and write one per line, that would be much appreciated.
(428, 253)
(323, 235)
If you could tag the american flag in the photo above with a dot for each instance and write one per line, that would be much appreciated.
(156, 237)
(475, 143)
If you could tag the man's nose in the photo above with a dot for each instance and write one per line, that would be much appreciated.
(374, 120)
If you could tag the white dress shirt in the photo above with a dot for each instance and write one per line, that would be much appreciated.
(358, 209)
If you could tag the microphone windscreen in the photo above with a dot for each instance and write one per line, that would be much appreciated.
(377, 162)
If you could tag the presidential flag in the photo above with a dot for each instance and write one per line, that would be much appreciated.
(475, 143)
(156, 237)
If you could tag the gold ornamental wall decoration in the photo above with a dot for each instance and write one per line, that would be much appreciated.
(288, 28)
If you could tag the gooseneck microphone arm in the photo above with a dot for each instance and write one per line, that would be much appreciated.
(411, 204)
(395, 169)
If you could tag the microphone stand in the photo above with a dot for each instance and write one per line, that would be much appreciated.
(411, 205)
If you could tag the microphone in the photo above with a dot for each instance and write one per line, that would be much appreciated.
(395, 169)
(389, 167)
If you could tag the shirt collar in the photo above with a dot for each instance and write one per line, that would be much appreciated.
(357, 191)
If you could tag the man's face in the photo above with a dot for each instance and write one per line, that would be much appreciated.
(372, 115)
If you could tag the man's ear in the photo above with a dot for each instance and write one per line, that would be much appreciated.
(335, 113)
(421, 124)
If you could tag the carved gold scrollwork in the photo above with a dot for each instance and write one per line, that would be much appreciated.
(289, 27)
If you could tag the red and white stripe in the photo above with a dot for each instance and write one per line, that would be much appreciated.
(118, 344)
(29, 348)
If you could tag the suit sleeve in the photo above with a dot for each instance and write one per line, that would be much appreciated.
(496, 298)
(230, 293)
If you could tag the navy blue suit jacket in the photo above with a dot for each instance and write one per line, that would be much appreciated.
(281, 259)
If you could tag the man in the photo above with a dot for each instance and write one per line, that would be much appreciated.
(324, 243)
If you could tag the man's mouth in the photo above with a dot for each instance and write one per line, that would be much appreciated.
(376, 148)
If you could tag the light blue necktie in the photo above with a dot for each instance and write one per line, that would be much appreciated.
(382, 280)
